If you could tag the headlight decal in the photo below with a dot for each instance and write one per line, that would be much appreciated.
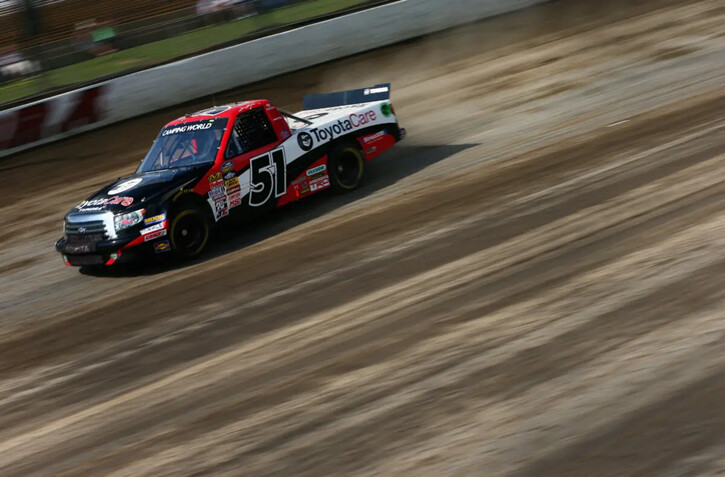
(124, 221)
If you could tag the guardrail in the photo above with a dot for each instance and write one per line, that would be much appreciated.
(167, 85)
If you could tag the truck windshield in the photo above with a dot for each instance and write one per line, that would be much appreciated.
(186, 144)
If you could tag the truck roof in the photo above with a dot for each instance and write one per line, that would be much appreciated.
(225, 111)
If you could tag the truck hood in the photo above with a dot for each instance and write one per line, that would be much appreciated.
(128, 193)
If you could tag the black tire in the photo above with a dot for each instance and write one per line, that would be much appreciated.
(346, 166)
(189, 231)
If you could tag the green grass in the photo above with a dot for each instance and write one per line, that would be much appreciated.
(165, 50)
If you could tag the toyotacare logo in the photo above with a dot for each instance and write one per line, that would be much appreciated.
(328, 133)
(343, 126)
(305, 141)
(98, 203)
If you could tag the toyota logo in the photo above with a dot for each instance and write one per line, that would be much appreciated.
(305, 141)
(81, 230)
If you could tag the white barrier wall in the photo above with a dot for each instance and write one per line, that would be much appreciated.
(163, 86)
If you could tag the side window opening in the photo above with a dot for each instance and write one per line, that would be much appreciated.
(251, 131)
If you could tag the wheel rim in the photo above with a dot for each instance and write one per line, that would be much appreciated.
(189, 233)
(348, 169)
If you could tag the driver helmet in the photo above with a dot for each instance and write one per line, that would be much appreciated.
(203, 142)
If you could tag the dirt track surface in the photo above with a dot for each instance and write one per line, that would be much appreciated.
(531, 284)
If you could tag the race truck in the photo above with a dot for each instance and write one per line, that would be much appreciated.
(229, 161)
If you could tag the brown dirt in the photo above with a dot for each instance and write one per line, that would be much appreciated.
(531, 284)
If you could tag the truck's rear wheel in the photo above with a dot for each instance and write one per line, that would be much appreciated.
(346, 167)
(189, 232)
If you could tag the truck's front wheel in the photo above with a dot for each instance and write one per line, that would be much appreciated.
(189, 232)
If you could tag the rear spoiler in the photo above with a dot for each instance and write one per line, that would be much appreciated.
(379, 92)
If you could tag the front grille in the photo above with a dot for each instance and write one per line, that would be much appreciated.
(91, 227)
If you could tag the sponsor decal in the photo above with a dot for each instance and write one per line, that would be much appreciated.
(342, 126)
(96, 204)
(329, 132)
(216, 192)
(124, 186)
(235, 199)
(231, 183)
(153, 228)
(370, 151)
(155, 219)
(301, 187)
(358, 120)
(124, 201)
(220, 208)
(217, 176)
(386, 110)
(374, 137)
(316, 170)
(227, 167)
(284, 134)
(229, 175)
(305, 141)
(369, 91)
(319, 184)
(187, 128)
(162, 246)
(154, 235)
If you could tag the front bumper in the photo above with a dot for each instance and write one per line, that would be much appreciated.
(106, 252)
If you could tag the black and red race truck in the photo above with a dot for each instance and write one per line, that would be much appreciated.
(228, 161)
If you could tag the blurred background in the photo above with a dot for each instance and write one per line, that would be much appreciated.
(49, 46)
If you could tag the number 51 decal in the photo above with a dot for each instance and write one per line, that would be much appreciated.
(268, 176)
